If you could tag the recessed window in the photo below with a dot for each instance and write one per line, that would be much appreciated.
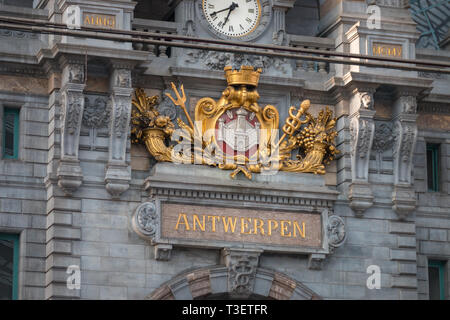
(436, 279)
(9, 266)
(10, 133)
(433, 166)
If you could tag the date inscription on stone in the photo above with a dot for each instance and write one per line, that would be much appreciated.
(387, 50)
(99, 20)
(190, 222)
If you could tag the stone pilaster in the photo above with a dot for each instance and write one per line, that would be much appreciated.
(362, 129)
(72, 101)
(405, 132)
(188, 21)
(62, 233)
(118, 174)
(280, 8)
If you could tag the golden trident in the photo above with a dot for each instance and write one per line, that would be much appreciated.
(181, 101)
(293, 122)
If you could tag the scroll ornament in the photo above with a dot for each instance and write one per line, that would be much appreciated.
(235, 133)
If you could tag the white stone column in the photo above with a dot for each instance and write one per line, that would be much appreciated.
(118, 172)
(362, 129)
(405, 133)
(69, 171)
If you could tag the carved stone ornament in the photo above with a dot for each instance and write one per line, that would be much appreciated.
(219, 60)
(76, 73)
(336, 232)
(366, 100)
(409, 104)
(242, 265)
(361, 132)
(123, 78)
(243, 138)
(384, 137)
(389, 3)
(146, 220)
(96, 112)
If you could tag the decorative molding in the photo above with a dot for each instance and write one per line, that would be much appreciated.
(219, 60)
(18, 34)
(242, 265)
(201, 282)
(433, 107)
(237, 196)
(389, 3)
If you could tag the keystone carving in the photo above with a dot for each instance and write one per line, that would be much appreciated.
(242, 265)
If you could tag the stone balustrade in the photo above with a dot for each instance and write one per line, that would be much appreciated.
(316, 43)
(163, 27)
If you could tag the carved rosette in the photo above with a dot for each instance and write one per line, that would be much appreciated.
(146, 220)
(336, 232)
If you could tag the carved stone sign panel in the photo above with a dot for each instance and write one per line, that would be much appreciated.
(240, 225)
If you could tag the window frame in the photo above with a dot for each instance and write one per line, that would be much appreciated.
(15, 238)
(441, 267)
(16, 112)
(435, 168)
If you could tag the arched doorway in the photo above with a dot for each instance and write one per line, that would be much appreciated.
(210, 283)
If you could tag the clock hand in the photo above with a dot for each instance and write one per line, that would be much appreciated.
(232, 7)
(216, 12)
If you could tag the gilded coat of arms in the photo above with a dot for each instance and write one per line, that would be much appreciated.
(235, 133)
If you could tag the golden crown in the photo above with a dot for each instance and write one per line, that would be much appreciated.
(247, 75)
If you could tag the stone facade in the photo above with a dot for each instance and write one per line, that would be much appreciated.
(73, 191)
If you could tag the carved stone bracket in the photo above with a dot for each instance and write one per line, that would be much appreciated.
(72, 100)
(163, 252)
(118, 176)
(362, 129)
(315, 261)
(242, 265)
(405, 133)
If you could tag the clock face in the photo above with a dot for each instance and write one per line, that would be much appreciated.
(232, 18)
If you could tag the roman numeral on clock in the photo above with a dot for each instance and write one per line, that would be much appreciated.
(231, 29)
(248, 20)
